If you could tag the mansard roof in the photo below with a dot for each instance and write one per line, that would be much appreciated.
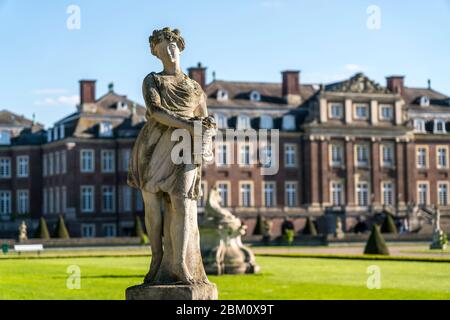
(239, 94)
(12, 119)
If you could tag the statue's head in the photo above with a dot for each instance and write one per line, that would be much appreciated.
(167, 44)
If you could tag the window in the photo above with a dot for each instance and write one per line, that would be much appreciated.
(87, 160)
(57, 162)
(5, 137)
(387, 191)
(288, 123)
(443, 193)
(88, 230)
(139, 201)
(63, 161)
(269, 194)
(336, 155)
(221, 120)
(362, 194)
(51, 201)
(61, 131)
(422, 157)
(51, 168)
(439, 126)
(22, 166)
(44, 165)
(361, 112)
(266, 159)
(223, 190)
(45, 201)
(63, 199)
(5, 202)
(362, 155)
(108, 199)
(22, 202)
(243, 122)
(222, 154)
(5, 168)
(109, 230)
(442, 156)
(422, 193)
(387, 155)
(108, 162)
(290, 155)
(57, 199)
(106, 129)
(265, 122)
(244, 155)
(291, 194)
(49, 135)
(424, 101)
(336, 111)
(126, 155)
(126, 198)
(337, 194)
(419, 125)
(255, 96)
(87, 199)
(386, 112)
(222, 95)
(246, 194)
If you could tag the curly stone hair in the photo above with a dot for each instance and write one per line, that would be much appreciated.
(168, 34)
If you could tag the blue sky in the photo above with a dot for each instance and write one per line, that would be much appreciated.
(41, 60)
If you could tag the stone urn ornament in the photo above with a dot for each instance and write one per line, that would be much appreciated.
(170, 181)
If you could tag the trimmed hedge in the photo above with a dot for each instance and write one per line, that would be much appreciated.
(375, 243)
(310, 228)
(259, 227)
(388, 225)
(61, 231)
(42, 230)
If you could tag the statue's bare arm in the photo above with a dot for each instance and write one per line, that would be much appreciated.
(153, 103)
(202, 110)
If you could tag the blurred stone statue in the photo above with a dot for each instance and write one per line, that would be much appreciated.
(339, 232)
(170, 186)
(23, 232)
(439, 239)
(267, 229)
(221, 243)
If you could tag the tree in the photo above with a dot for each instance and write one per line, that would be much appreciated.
(310, 228)
(376, 244)
(61, 231)
(42, 230)
(388, 225)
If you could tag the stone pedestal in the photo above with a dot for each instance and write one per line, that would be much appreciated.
(172, 292)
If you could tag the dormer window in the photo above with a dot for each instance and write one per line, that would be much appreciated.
(5, 137)
(439, 126)
(222, 95)
(424, 101)
(265, 122)
(255, 96)
(243, 122)
(122, 105)
(288, 122)
(361, 111)
(49, 135)
(386, 112)
(55, 133)
(419, 125)
(221, 120)
(106, 129)
(61, 131)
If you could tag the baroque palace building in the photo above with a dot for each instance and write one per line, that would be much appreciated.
(349, 149)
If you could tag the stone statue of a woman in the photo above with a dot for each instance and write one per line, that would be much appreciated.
(170, 191)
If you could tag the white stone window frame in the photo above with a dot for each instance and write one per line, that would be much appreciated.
(290, 150)
(436, 124)
(332, 162)
(385, 146)
(273, 185)
(5, 202)
(23, 166)
(88, 226)
(446, 201)
(332, 106)
(91, 209)
(426, 157)
(108, 190)
(83, 169)
(251, 200)
(356, 107)
(446, 157)
(335, 187)
(5, 165)
(227, 183)
(110, 156)
(418, 189)
(287, 185)
(385, 189)
(384, 106)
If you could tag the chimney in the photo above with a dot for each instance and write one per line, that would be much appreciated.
(395, 84)
(291, 87)
(198, 74)
(87, 91)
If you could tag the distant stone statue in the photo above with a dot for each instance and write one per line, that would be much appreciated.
(176, 107)
(439, 239)
(23, 232)
(221, 243)
(267, 230)
(339, 232)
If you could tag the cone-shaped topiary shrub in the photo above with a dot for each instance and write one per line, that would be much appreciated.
(388, 225)
(61, 230)
(259, 227)
(42, 230)
(310, 228)
(375, 243)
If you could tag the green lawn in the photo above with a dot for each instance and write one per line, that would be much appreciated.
(281, 278)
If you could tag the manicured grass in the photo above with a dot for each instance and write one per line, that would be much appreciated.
(280, 278)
